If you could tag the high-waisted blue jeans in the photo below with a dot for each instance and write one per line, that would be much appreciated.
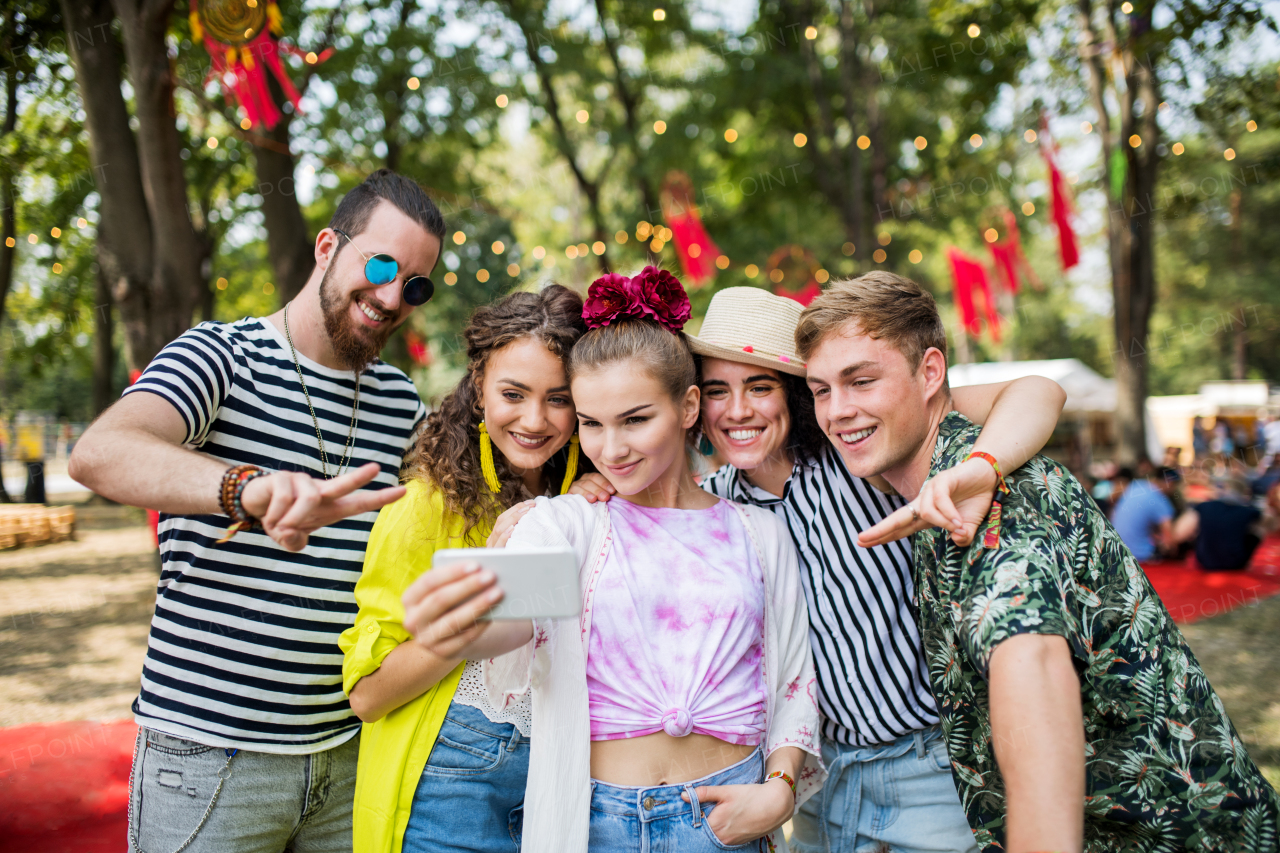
(471, 794)
(897, 796)
(657, 820)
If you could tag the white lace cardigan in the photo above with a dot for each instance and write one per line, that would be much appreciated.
(554, 664)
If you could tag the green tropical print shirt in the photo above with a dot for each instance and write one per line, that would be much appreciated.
(1165, 769)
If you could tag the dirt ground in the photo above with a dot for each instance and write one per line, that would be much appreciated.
(74, 618)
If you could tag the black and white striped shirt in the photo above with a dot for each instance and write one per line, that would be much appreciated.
(243, 650)
(873, 685)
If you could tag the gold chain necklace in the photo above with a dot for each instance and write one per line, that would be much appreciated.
(355, 411)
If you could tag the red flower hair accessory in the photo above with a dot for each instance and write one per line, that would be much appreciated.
(608, 299)
(652, 294)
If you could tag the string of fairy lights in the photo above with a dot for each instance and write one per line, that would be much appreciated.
(655, 237)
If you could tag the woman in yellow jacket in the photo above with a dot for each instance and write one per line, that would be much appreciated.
(440, 768)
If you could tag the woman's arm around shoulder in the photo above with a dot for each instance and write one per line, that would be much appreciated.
(1018, 419)
(566, 521)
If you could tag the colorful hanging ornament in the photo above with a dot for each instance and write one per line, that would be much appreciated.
(242, 37)
(694, 247)
(967, 274)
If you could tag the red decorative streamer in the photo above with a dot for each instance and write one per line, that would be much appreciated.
(694, 246)
(968, 273)
(1008, 257)
(1062, 207)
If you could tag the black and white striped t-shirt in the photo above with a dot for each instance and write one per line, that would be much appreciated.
(873, 685)
(243, 650)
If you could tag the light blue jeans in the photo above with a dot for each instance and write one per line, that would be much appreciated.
(897, 796)
(470, 796)
(205, 799)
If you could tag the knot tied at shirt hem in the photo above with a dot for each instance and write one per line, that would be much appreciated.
(677, 722)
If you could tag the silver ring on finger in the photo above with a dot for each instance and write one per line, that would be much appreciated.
(915, 513)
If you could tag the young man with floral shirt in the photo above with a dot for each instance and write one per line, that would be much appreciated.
(1075, 715)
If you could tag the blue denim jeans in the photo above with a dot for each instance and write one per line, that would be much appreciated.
(471, 794)
(897, 796)
(657, 820)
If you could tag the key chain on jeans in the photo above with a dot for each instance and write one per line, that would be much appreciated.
(134, 844)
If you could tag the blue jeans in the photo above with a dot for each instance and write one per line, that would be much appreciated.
(897, 796)
(657, 820)
(471, 794)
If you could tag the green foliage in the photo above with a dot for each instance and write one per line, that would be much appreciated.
(448, 94)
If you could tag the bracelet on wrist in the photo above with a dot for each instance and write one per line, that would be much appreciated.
(231, 498)
(785, 777)
(991, 460)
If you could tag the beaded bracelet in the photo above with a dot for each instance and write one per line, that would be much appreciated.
(785, 777)
(231, 495)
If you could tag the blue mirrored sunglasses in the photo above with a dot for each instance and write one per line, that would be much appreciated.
(382, 268)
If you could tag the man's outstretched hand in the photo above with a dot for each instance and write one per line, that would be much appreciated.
(292, 505)
(957, 499)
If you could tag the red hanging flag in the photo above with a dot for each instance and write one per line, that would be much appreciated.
(1008, 257)
(694, 247)
(242, 37)
(1062, 208)
(968, 273)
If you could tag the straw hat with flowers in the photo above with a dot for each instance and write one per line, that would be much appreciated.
(751, 325)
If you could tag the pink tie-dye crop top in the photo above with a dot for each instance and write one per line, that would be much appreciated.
(677, 633)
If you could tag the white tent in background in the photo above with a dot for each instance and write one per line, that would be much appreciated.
(1091, 397)
(1088, 392)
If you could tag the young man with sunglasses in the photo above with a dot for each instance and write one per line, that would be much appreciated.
(268, 445)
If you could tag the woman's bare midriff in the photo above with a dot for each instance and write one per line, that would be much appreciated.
(660, 759)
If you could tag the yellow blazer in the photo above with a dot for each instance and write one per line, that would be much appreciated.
(394, 750)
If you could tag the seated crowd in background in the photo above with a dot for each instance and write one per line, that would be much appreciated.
(1218, 508)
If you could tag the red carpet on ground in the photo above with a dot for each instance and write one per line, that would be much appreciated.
(64, 787)
(1192, 594)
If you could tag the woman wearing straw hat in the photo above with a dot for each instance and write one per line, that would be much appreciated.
(890, 780)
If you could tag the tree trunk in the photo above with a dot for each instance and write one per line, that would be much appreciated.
(1130, 220)
(855, 207)
(289, 243)
(630, 110)
(589, 188)
(1240, 338)
(8, 198)
(124, 255)
(104, 350)
(176, 281)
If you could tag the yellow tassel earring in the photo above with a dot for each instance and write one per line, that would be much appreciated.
(486, 461)
(571, 472)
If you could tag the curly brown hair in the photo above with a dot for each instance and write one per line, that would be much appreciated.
(447, 453)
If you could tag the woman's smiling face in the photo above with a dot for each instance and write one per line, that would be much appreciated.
(528, 411)
(744, 412)
(630, 427)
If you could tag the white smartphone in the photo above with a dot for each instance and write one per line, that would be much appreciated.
(537, 583)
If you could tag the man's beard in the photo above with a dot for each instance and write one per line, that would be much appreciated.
(355, 346)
